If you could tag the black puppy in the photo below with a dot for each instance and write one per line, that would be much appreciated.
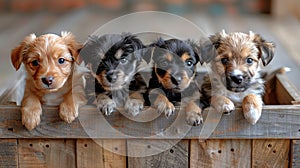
(173, 77)
(114, 61)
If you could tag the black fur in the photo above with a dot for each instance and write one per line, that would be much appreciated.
(112, 55)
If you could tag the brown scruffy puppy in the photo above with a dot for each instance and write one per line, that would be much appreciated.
(173, 78)
(235, 79)
(50, 64)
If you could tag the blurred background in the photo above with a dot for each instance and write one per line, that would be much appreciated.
(275, 20)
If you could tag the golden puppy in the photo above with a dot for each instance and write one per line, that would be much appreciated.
(49, 62)
(236, 73)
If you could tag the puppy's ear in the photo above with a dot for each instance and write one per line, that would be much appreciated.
(18, 52)
(207, 50)
(204, 50)
(216, 39)
(136, 44)
(147, 54)
(73, 46)
(266, 49)
(196, 50)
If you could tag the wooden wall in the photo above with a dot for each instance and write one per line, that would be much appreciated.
(87, 153)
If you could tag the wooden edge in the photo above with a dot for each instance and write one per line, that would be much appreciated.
(277, 122)
(295, 153)
(290, 88)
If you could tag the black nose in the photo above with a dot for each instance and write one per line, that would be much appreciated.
(176, 79)
(238, 79)
(111, 77)
(48, 80)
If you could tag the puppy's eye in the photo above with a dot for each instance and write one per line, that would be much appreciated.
(163, 64)
(61, 60)
(189, 63)
(249, 61)
(35, 63)
(123, 60)
(224, 61)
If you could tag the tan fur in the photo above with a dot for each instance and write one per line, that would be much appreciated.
(169, 57)
(163, 104)
(193, 113)
(252, 107)
(222, 104)
(185, 56)
(166, 79)
(47, 49)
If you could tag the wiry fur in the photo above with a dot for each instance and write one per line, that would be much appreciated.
(236, 78)
(40, 56)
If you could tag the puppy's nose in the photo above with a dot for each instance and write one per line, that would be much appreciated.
(48, 80)
(238, 79)
(176, 79)
(111, 77)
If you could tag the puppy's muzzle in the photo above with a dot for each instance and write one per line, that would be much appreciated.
(176, 79)
(48, 80)
(238, 79)
(112, 76)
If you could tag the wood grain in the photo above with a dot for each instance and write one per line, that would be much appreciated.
(295, 153)
(100, 153)
(270, 153)
(46, 153)
(8, 153)
(220, 153)
(286, 92)
(158, 153)
(89, 153)
(276, 122)
(114, 153)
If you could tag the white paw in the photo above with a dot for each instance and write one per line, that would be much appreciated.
(106, 106)
(134, 106)
(193, 118)
(228, 107)
(252, 115)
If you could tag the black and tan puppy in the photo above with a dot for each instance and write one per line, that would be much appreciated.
(174, 71)
(114, 61)
(236, 73)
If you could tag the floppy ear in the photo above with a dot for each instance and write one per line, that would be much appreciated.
(18, 52)
(204, 51)
(207, 50)
(266, 49)
(196, 50)
(136, 44)
(216, 39)
(147, 54)
(73, 46)
(153, 49)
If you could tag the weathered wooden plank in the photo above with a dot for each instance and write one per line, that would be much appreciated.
(286, 92)
(46, 153)
(89, 153)
(100, 153)
(220, 153)
(114, 153)
(8, 153)
(158, 153)
(270, 153)
(281, 122)
(295, 153)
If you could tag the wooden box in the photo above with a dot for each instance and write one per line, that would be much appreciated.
(116, 141)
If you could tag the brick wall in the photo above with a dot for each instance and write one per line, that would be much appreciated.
(213, 6)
